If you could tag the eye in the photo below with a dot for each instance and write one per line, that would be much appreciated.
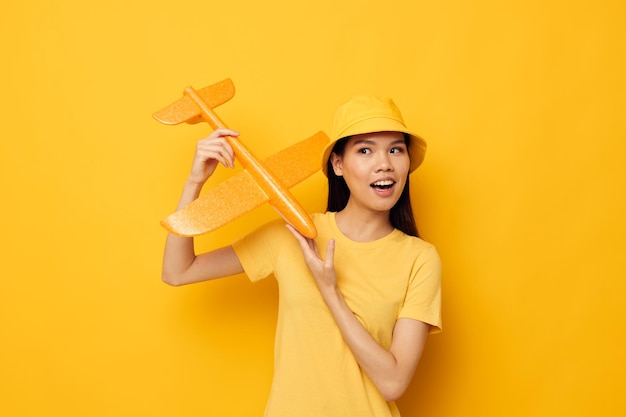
(364, 151)
(397, 149)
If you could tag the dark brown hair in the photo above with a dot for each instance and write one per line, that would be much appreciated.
(401, 214)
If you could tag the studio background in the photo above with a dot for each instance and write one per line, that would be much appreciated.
(522, 191)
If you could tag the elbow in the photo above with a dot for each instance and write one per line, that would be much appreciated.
(393, 390)
(171, 279)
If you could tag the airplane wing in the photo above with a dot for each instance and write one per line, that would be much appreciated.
(221, 204)
(240, 193)
(299, 161)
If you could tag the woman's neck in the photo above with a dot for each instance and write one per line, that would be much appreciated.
(363, 226)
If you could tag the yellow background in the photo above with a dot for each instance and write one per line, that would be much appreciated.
(522, 191)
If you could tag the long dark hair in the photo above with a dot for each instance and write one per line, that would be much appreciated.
(401, 214)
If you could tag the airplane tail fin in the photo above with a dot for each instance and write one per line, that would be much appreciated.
(187, 111)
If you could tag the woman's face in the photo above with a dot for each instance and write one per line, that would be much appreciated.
(375, 167)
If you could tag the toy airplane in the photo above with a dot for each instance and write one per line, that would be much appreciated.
(257, 183)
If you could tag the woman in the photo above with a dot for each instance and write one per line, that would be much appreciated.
(357, 302)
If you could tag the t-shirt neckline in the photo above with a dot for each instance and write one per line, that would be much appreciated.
(345, 240)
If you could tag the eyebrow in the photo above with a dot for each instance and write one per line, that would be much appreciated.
(372, 142)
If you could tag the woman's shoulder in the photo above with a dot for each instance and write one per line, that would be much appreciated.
(419, 241)
(421, 248)
(321, 216)
(325, 224)
(269, 231)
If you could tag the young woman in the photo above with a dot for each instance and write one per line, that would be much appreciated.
(357, 302)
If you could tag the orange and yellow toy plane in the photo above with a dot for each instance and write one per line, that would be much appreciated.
(259, 182)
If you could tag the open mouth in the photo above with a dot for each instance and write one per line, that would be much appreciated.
(383, 185)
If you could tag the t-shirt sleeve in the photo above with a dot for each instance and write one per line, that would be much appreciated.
(256, 250)
(423, 298)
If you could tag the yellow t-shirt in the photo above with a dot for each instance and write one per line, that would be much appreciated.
(315, 373)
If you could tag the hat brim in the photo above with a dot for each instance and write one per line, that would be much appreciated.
(417, 145)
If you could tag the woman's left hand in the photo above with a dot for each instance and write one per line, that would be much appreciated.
(322, 269)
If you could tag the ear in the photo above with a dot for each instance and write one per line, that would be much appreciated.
(337, 162)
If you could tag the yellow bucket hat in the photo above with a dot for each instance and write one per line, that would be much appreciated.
(369, 114)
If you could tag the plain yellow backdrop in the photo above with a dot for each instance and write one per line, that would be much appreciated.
(523, 192)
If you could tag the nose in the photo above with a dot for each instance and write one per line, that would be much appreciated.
(383, 162)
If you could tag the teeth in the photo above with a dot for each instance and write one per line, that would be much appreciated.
(385, 183)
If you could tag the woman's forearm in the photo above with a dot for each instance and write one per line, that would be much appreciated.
(179, 251)
(390, 371)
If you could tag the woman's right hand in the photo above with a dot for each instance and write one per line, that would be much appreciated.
(211, 151)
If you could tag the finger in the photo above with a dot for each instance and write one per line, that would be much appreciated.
(314, 248)
(216, 148)
(308, 246)
(329, 261)
(301, 239)
(222, 132)
(206, 160)
(226, 156)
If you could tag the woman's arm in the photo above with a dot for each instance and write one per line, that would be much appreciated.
(181, 265)
(390, 370)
